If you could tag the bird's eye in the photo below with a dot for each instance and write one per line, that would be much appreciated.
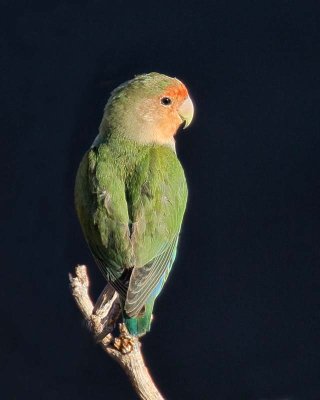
(166, 101)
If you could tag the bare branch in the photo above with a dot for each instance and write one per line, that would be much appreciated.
(102, 318)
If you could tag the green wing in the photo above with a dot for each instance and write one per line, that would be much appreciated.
(103, 213)
(131, 207)
(148, 281)
(158, 195)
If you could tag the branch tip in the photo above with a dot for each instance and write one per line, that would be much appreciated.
(102, 317)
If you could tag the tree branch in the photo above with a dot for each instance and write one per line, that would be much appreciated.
(102, 318)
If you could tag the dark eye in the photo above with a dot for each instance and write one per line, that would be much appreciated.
(166, 101)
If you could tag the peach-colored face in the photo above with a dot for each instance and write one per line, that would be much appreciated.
(164, 110)
(171, 120)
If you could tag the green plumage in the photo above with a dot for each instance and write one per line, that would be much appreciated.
(130, 199)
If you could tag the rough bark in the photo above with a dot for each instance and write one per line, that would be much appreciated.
(102, 319)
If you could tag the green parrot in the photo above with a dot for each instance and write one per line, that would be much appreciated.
(131, 191)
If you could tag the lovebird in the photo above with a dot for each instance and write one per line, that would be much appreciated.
(131, 191)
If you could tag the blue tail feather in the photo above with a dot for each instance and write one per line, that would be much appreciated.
(140, 325)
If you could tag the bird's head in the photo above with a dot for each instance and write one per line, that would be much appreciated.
(148, 109)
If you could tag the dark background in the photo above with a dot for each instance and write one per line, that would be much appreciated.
(239, 317)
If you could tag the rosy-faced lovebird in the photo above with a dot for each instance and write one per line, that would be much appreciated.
(131, 191)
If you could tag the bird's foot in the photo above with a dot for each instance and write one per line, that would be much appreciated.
(125, 342)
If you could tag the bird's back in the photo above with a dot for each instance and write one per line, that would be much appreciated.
(130, 202)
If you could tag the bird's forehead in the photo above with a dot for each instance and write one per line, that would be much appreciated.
(176, 90)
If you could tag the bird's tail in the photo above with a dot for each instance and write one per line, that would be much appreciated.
(140, 325)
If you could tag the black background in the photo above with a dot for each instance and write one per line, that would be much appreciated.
(239, 317)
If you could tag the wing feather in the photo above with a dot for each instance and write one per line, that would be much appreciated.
(121, 283)
(145, 279)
